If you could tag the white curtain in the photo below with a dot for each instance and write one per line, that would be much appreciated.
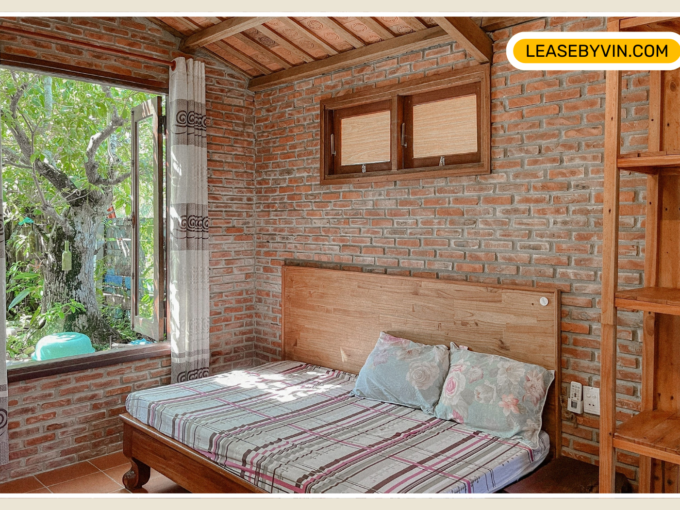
(188, 282)
(4, 441)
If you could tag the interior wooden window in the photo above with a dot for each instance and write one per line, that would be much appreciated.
(431, 127)
(442, 127)
(361, 139)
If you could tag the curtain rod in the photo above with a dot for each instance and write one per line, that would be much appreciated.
(103, 49)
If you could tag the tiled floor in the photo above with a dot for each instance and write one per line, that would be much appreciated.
(96, 476)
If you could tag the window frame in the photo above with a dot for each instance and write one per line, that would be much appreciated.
(409, 102)
(475, 78)
(38, 369)
(336, 132)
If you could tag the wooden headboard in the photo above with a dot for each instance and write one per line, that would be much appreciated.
(333, 319)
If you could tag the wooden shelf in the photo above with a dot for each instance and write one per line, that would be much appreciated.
(652, 434)
(648, 162)
(650, 299)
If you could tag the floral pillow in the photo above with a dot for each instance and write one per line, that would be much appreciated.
(495, 394)
(404, 372)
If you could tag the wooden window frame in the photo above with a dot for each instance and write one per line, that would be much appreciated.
(335, 124)
(409, 102)
(476, 78)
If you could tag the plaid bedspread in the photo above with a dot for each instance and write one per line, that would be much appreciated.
(292, 427)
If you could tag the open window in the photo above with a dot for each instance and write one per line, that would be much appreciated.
(148, 220)
(438, 126)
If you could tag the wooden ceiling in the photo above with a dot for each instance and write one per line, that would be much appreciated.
(274, 51)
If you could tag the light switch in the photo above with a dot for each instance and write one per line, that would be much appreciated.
(591, 400)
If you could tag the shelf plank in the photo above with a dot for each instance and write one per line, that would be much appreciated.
(647, 162)
(653, 434)
(650, 299)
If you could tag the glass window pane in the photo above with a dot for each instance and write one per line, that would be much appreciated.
(445, 127)
(365, 139)
(145, 232)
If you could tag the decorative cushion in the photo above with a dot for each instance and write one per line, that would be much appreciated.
(494, 394)
(403, 372)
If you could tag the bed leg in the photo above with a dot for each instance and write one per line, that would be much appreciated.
(137, 476)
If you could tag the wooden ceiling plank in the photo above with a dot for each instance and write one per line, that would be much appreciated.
(222, 30)
(627, 23)
(308, 34)
(492, 24)
(242, 56)
(342, 31)
(285, 43)
(466, 33)
(414, 23)
(255, 45)
(378, 28)
(190, 25)
(383, 49)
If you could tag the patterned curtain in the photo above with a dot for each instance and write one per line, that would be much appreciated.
(4, 442)
(188, 283)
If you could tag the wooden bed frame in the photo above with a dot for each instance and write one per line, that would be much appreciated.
(333, 319)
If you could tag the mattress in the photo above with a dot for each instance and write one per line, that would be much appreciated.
(291, 427)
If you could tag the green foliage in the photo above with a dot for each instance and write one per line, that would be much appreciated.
(61, 116)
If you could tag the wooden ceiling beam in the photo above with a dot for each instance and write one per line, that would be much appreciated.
(627, 23)
(466, 33)
(383, 49)
(497, 23)
(254, 44)
(285, 43)
(341, 31)
(221, 31)
(307, 34)
(230, 50)
(414, 23)
(378, 28)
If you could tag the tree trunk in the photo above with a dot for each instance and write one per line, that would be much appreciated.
(78, 284)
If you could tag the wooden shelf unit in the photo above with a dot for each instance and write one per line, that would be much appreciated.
(654, 433)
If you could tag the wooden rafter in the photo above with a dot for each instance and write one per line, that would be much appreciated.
(383, 49)
(466, 33)
(249, 41)
(627, 23)
(285, 43)
(414, 23)
(497, 23)
(230, 50)
(378, 28)
(307, 34)
(221, 31)
(341, 31)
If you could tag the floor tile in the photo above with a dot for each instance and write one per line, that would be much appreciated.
(66, 473)
(95, 483)
(110, 461)
(23, 485)
(44, 490)
(117, 473)
(159, 484)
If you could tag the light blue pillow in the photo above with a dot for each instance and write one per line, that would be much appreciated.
(403, 372)
(494, 394)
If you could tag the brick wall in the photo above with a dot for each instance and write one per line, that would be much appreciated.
(535, 221)
(57, 421)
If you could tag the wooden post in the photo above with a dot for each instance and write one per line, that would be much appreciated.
(610, 252)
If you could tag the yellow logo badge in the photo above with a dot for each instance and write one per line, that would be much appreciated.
(595, 50)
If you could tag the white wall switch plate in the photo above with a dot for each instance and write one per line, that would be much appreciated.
(575, 390)
(591, 400)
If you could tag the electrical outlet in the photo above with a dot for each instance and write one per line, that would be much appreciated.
(591, 400)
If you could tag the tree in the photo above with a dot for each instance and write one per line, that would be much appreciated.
(66, 153)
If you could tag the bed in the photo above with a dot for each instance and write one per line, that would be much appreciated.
(292, 427)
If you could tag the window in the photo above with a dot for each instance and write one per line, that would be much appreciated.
(431, 127)
(84, 215)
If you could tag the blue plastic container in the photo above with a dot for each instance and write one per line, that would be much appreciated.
(60, 345)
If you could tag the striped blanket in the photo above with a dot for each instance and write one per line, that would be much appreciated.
(293, 427)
